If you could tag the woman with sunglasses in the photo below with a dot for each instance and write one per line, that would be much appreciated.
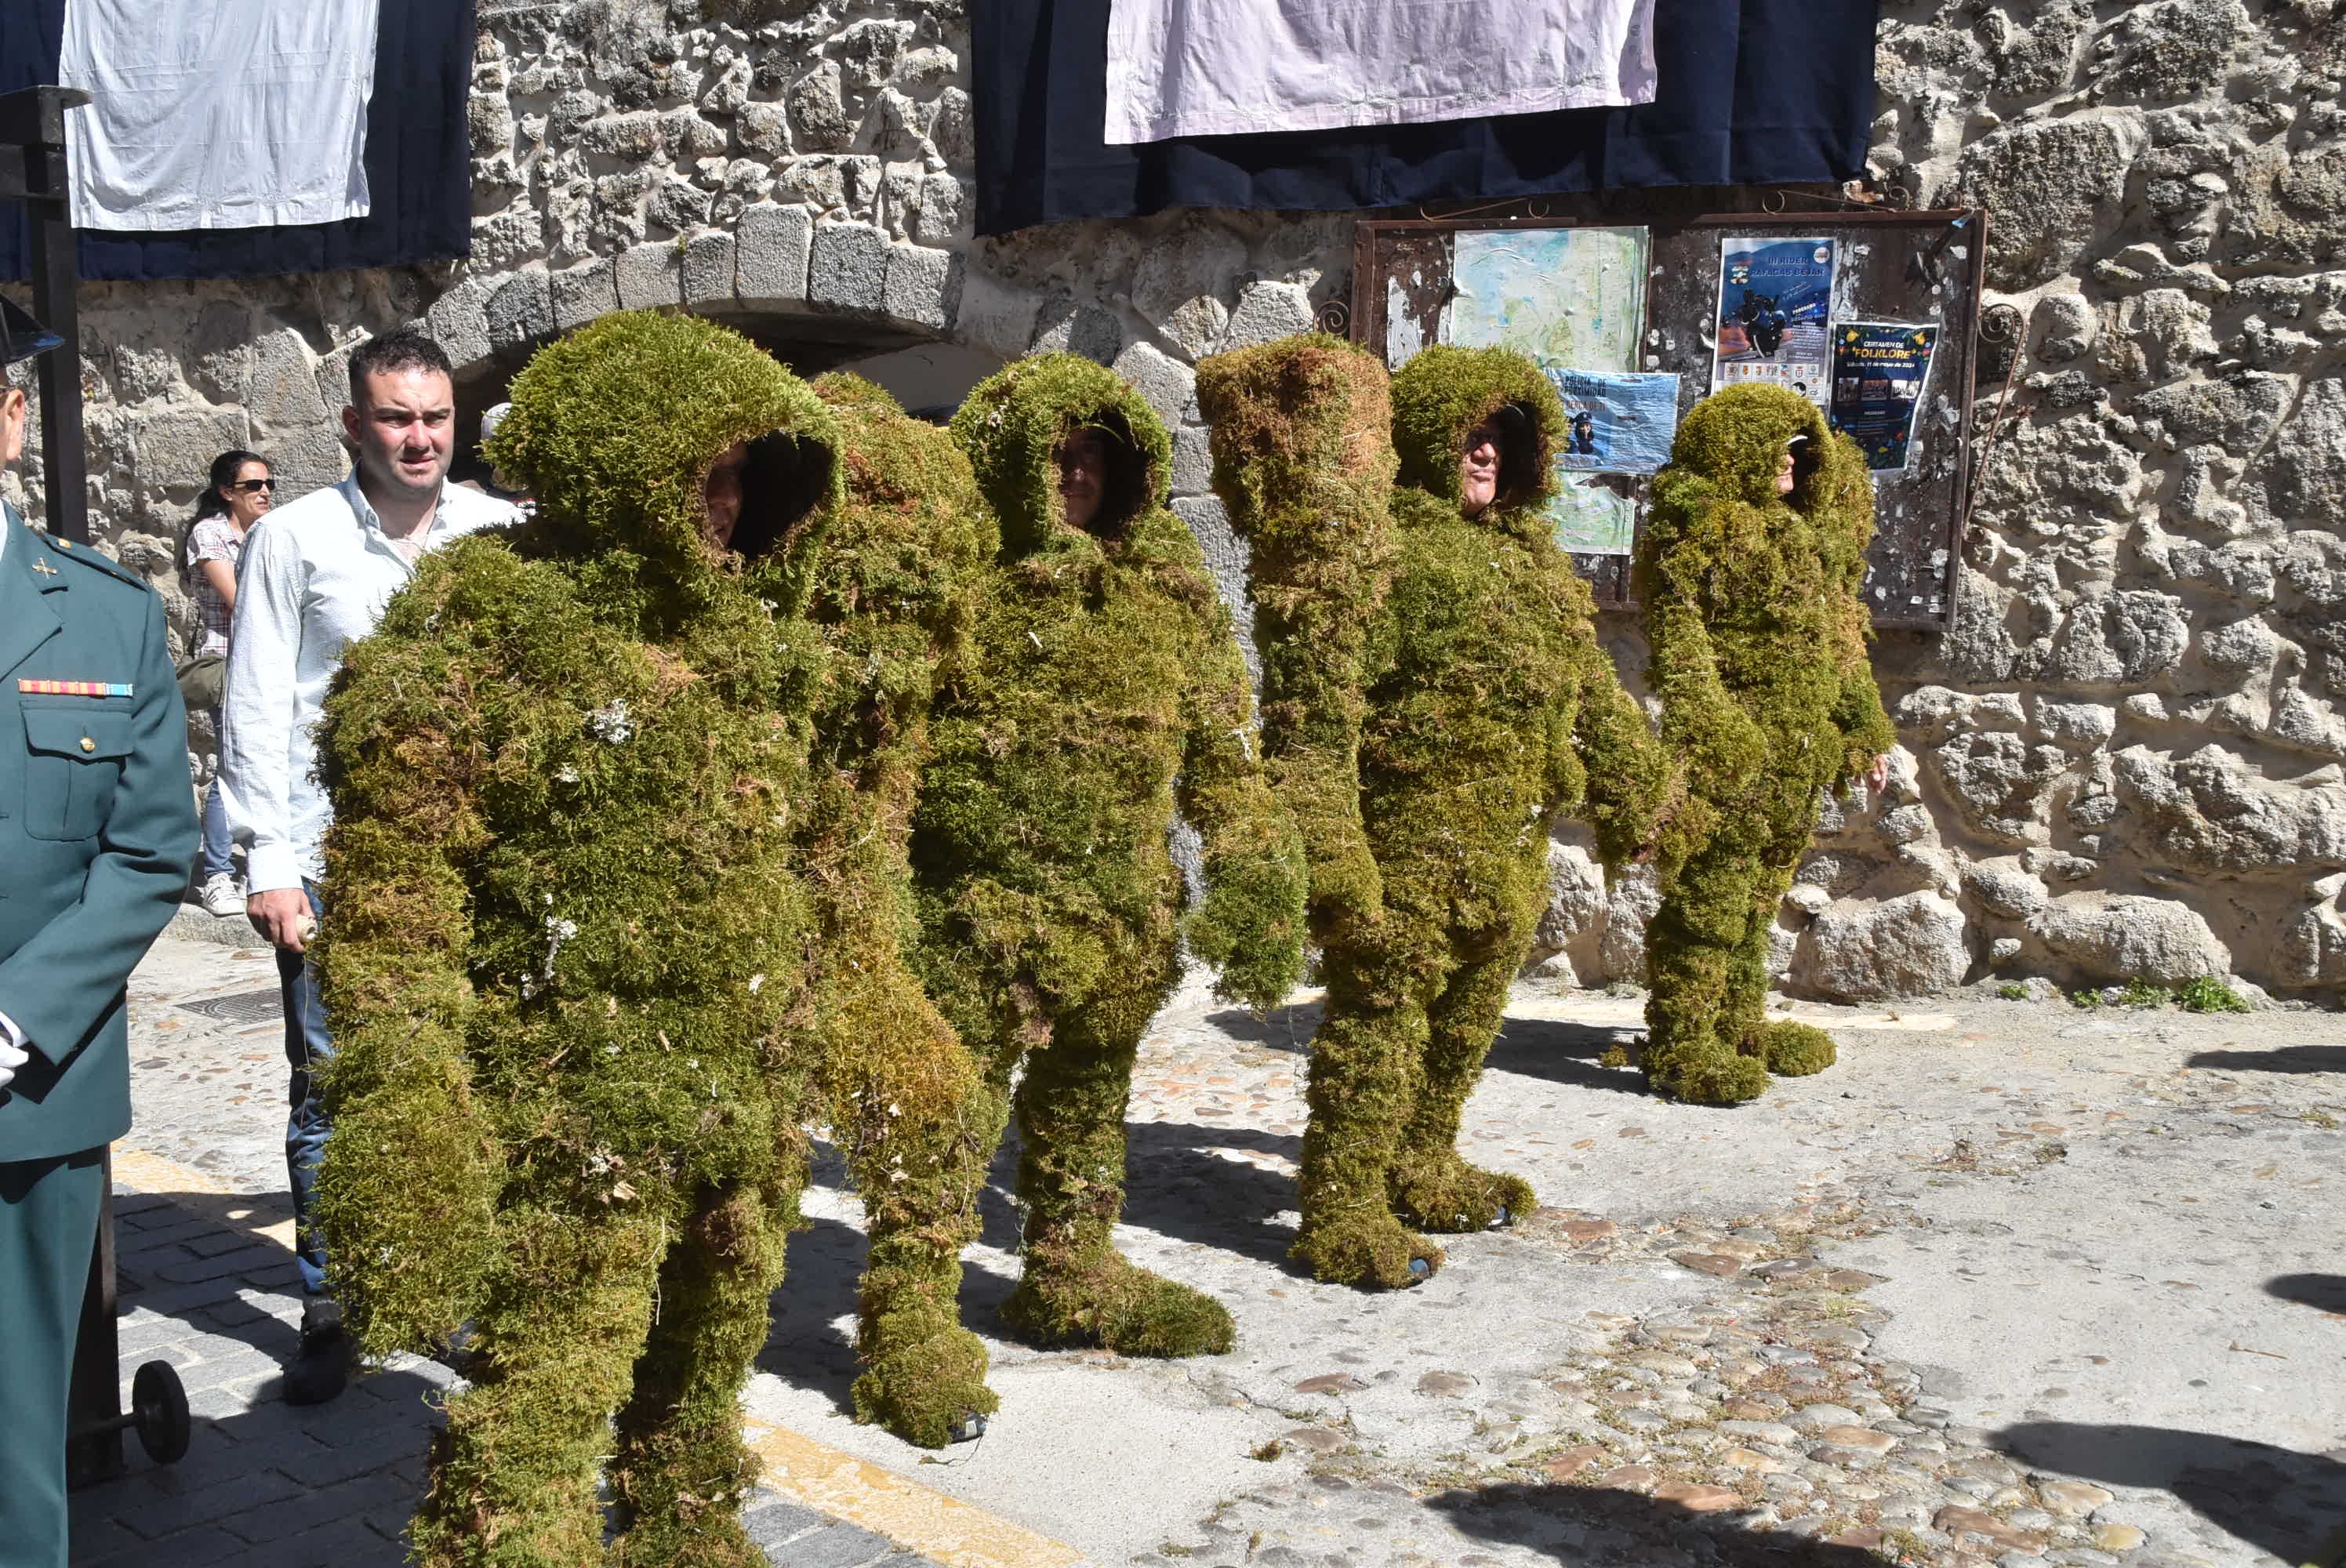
(240, 490)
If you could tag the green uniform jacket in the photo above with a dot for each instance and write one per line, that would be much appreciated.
(97, 830)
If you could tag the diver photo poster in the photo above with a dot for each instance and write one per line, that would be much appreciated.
(1775, 306)
(1616, 424)
(1880, 369)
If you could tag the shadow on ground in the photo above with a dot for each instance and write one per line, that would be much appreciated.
(1557, 1052)
(1587, 1523)
(2325, 1292)
(2287, 1059)
(2275, 1499)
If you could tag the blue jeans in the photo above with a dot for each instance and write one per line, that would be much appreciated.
(216, 839)
(307, 1044)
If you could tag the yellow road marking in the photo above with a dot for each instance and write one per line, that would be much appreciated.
(943, 1528)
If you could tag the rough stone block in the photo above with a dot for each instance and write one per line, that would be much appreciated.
(1065, 325)
(2121, 937)
(708, 269)
(1193, 460)
(771, 245)
(648, 275)
(282, 386)
(847, 267)
(920, 283)
(1168, 386)
(522, 310)
(173, 447)
(1868, 951)
(1269, 311)
(993, 315)
(582, 293)
(458, 321)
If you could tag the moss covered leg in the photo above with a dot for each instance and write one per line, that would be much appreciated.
(513, 1475)
(1694, 1049)
(1077, 1288)
(1364, 1066)
(920, 1132)
(1431, 1184)
(1791, 1050)
(681, 1470)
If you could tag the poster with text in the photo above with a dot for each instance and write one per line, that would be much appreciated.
(1616, 424)
(1774, 309)
(1880, 369)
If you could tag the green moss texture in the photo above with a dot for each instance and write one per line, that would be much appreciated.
(1106, 687)
(1758, 637)
(895, 593)
(567, 954)
(1303, 462)
(1485, 705)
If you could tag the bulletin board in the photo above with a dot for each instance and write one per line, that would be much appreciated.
(1919, 268)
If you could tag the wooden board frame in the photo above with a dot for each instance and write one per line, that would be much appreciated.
(1916, 266)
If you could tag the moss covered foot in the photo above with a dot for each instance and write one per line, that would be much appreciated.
(1796, 1050)
(1444, 1193)
(1117, 1306)
(927, 1391)
(1708, 1079)
(713, 1539)
(1368, 1248)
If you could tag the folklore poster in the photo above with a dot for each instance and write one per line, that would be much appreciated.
(1880, 369)
(1775, 305)
(1616, 424)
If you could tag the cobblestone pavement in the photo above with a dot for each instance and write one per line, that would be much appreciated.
(2014, 1283)
(206, 1283)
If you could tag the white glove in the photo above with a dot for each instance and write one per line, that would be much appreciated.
(12, 1053)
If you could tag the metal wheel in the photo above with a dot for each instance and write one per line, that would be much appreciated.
(159, 1411)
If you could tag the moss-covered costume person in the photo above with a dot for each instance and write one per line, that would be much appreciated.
(1107, 685)
(1489, 705)
(895, 592)
(1749, 571)
(568, 942)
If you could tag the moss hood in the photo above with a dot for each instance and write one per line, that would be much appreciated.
(614, 429)
(1445, 393)
(1735, 438)
(1012, 422)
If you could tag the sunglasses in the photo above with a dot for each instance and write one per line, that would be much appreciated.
(250, 486)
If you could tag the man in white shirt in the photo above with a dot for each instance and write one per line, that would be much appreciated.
(316, 575)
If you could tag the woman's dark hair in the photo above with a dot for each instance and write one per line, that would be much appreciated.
(224, 472)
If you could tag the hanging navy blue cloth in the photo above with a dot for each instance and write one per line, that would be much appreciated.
(418, 161)
(1750, 92)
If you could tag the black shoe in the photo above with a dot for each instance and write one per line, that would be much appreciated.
(322, 1367)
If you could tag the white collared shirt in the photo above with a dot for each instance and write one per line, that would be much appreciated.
(317, 573)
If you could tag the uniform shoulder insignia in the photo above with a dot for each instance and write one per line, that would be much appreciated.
(90, 557)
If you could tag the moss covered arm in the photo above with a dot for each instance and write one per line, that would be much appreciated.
(1250, 924)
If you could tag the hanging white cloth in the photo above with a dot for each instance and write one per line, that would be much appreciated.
(217, 113)
(1218, 68)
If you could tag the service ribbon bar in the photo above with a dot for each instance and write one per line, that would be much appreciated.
(74, 687)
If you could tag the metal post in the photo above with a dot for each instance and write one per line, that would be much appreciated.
(33, 170)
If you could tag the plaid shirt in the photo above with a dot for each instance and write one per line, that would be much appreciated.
(212, 539)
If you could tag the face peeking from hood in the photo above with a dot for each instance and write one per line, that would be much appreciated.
(1445, 394)
(1737, 440)
(616, 429)
(1056, 430)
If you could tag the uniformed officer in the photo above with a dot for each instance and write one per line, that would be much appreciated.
(97, 830)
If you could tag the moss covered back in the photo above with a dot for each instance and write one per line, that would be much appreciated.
(1759, 638)
(1303, 462)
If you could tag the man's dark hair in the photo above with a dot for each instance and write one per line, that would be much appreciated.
(406, 350)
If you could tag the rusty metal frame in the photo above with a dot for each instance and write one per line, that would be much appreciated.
(1368, 323)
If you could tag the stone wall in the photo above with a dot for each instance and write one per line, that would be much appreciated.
(2125, 760)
